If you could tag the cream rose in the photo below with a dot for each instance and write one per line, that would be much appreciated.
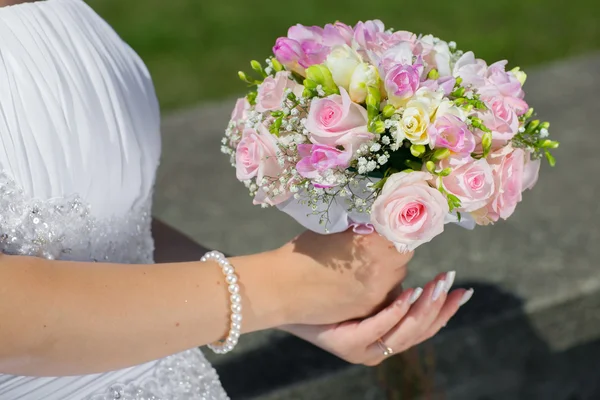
(414, 122)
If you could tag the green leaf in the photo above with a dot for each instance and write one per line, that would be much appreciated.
(274, 128)
(251, 97)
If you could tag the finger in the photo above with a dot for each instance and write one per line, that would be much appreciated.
(454, 301)
(374, 327)
(419, 318)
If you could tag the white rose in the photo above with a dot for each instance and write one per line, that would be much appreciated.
(342, 61)
(364, 75)
(415, 121)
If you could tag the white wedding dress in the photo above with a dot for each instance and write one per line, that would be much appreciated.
(79, 146)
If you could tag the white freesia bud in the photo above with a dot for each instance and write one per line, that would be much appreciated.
(342, 61)
(364, 75)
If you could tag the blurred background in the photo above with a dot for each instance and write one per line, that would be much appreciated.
(532, 330)
(195, 48)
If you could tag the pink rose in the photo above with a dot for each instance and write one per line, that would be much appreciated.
(318, 159)
(337, 121)
(409, 212)
(272, 91)
(249, 153)
(508, 167)
(238, 120)
(531, 172)
(472, 182)
(256, 157)
(401, 82)
(450, 132)
(471, 70)
(240, 111)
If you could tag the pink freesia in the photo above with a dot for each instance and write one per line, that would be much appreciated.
(337, 121)
(445, 83)
(501, 120)
(337, 34)
(367, 33)
(401, 82)
(290, 53)
(305, 46)
(371, 39)
(471, 70)
(448, 131)
(318, 159)
(435, 53)
(272, 91)
(504, 86)
(409, 212)
(472, 182)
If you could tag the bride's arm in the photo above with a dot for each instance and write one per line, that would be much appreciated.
(61, 318)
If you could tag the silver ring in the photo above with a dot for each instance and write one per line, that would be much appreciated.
(387, 351)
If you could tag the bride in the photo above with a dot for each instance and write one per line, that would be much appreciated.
(84, 311)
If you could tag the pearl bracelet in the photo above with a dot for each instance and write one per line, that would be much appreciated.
(231, 278)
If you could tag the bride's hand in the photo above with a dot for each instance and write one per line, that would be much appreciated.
(338, 277)
(400, 326)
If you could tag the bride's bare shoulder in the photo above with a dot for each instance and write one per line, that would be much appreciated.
(13, 2)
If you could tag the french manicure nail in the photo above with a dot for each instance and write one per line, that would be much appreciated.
(415, 295)
(437, 291)
(466, 297)
(449, 281)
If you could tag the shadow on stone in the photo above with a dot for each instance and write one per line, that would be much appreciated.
(489, 351)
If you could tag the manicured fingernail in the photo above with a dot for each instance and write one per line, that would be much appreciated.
(466, 297)
(415, 295)
(449, 281)
(437, 291)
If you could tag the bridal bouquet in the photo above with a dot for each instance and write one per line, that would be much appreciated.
(389, 131)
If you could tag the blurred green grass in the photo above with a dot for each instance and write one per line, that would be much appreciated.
(194, 48)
